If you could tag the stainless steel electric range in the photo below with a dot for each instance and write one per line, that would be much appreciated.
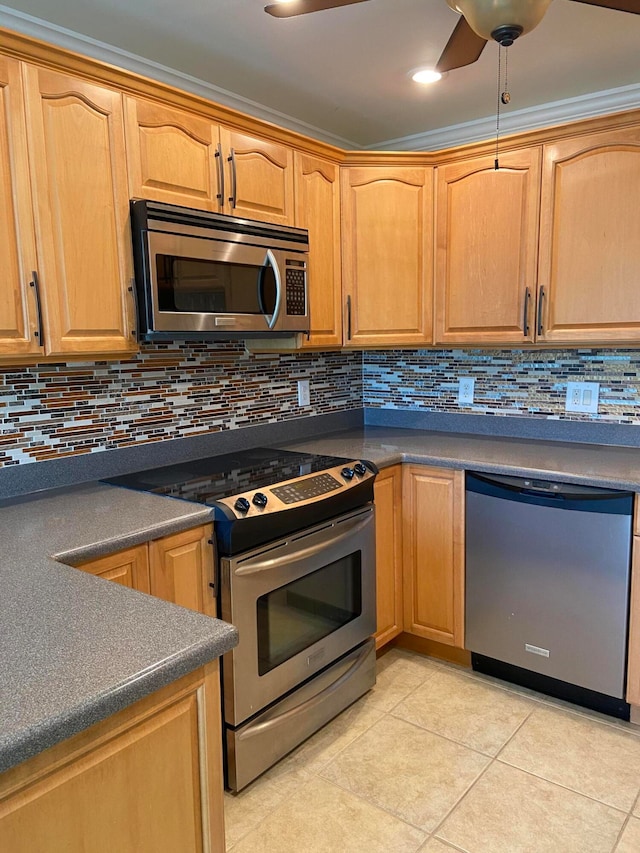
(295, 542)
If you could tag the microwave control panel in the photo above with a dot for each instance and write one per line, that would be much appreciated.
(296, 291)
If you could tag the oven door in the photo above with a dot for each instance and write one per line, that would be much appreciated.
(299, 603)
(200, 285)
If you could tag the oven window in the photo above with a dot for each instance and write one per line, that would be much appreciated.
(213, 287)
(297, 615)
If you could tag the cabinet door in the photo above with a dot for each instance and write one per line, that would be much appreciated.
(81, 203)
(387, 254)
(146, 780)
(318, 209)
(486, 249)
(590, 239)
(19, 331)
(172, 156)
(433, 540)
(181, 569)
(388, 502)
(633, 666)
(259, 177)
(128, 568)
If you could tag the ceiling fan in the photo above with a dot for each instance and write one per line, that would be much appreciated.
(502, 20)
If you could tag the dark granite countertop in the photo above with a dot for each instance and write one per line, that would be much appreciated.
(588, 464)
(76, 648)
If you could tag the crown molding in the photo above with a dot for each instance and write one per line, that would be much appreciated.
(519, 121)
(37, 28)
(479, 130)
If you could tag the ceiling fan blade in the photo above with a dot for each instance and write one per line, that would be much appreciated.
(632, 6)
(463, 48)
(302, 7)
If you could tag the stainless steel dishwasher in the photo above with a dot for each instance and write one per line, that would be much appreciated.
(547, 586)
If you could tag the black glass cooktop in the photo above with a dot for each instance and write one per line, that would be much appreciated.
(216, 477)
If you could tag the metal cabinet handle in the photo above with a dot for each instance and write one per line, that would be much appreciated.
(39, 334)
(540, 299)
(348, 318)
(220, 167)
(525, 319)
(232, 159)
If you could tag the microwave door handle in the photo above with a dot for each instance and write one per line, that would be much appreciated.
(271, 260)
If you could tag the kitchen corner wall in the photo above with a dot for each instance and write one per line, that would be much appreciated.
(179, 390)
(167, 391)
(518, 383)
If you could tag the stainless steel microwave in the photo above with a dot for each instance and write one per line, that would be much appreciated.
(205, 275)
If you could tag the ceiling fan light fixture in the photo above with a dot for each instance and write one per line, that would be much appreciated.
(425, 75)
(502, 20)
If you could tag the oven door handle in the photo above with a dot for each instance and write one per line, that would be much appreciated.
(261, 562)
(308, 705)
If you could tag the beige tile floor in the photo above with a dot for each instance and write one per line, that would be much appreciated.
(437, 759)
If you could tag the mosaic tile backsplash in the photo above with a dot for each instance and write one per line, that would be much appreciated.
(517, 383)
(168, 391)
(179, 390)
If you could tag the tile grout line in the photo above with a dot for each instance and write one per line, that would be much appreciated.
(492, 761)
(379, 808)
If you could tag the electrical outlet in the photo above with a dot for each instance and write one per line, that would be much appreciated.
(582, 397)
(465, 389)
(304, 397)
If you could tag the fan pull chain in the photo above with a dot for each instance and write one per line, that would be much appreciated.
(503, 97)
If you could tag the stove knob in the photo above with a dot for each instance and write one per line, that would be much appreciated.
(360, 469)
(347, 473)
(260, 499)
(242, 505)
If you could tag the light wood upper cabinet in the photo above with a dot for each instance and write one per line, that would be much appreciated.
(388, 503)
(433, 543)
(181, 158)
(81, 206)
(317, 189)
(181, 569)
(259, 177)
(590, 238)
(486, 249)
(171, 155)
(19, 329)
(387, 254)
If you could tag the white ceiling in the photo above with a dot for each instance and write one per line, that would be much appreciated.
(341, 74)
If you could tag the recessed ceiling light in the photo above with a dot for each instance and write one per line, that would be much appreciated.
(425, 75)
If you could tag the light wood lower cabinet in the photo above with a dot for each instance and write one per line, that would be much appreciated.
(177, 568)
(633, 661)
(433, 547)
(146, 780)
(388, 503)
(181, 569)
(128, 568)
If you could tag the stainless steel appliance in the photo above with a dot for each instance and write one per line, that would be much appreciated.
(205, 275)
(295, 537)
(547, 586)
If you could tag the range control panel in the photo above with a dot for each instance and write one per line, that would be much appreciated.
(304, 489)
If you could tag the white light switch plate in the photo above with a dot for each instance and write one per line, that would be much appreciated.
(582, 397)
